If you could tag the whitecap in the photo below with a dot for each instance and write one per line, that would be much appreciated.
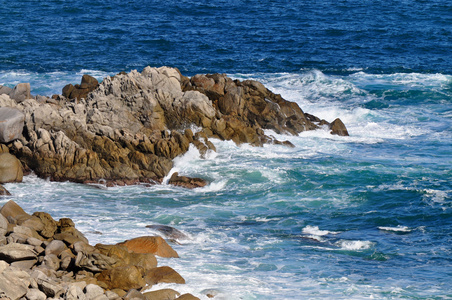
(398, 228)
(315, 231)
(356, 245)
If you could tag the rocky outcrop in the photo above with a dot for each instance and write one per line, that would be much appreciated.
(38, 264)
(130, 127)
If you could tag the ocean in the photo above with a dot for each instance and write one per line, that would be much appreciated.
(367, 216)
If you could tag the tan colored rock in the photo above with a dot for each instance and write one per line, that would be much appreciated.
(163, 294)
(10, 168)
(15, 252)
(338, 128)
(11, 209)
(163, 274)
(3, 191)
(126, 278)
(50, 225)
(20, 92)
(187, 297)
(150, 244)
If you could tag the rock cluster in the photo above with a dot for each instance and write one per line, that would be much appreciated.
(130, 127)
(41, 258)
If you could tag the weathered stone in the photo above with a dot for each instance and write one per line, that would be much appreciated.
(164, 294)
(5, 89)
(50, 225)
(93, 291)
(35, 294)
(187, 297)
(20, 92)
(150, 244)
(11, 124)
(147, 261)
(14, 283)
(74, 292)
(11, 209)
(10, 168)
(3, 225)
(338, 128)
(111, 295)
(55, 247)
(163, 274)
(94, 262)
(51, 261)
(133, 294)
(126, 278)
(15, 252)
(186, 182)
(24, 264)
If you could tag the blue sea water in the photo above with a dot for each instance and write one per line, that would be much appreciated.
(367, 216)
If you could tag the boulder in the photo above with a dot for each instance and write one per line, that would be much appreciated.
(15, 252)
(10, 168)
(338, 128)
(79, 91)
(186, 182)
(50, 225)
(11, 124)
(126, 278)
(150, 244)
(11, 210)
(187, 297)
(5, 89)
(20, 92)
(163, 275)
(14, 283)
(35, 294)
(164, 294)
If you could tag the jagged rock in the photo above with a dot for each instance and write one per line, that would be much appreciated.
(3, 225)
(338, 128)
(147, 261)
(20, 92)
(79, 91)
(15, 252)
(3, 191)
(50, 225)
(186, 182)
(164, 294)
(163, 274)
(14, 283)
(150, 244)
(74, 292)
(93, 291)
(11, 124)
(11, 210)
(10, 168)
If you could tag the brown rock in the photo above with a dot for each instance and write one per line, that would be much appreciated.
(186, 182)
(150, 244)
(50, 225)
(338, 128)
(187, 297)
(163, 274)
(125, 278)
(164, 294)
(11, 210)
(10, 168)
(3, 191)
(147, 261)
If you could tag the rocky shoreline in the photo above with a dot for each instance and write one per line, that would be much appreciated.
(41, 258)
(128, 128)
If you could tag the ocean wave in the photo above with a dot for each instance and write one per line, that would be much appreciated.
(398, 228)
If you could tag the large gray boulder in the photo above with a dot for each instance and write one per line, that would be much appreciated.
(11, 124)
(21, 92)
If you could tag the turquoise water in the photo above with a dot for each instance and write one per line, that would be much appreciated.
(361, 217)
(358, 217)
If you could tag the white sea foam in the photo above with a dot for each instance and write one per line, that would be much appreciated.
(398, 228)
(314, 230)
(354, 245)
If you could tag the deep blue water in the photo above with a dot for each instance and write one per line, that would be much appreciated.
(227, 36)
(359, 217)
